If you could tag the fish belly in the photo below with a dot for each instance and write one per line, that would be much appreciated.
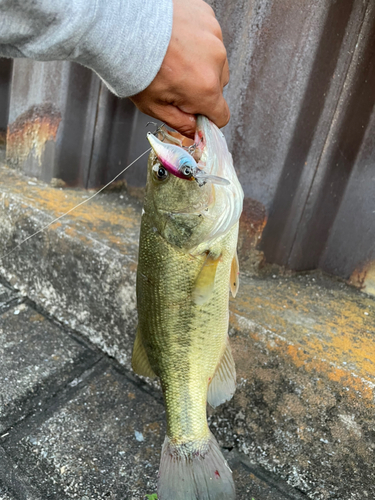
(184, 343)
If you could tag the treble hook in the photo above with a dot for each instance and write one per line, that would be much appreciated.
(166, 136)
(191, 149)
(158, 129)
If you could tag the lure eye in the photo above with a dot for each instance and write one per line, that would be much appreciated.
(186, 171)
(160, 172)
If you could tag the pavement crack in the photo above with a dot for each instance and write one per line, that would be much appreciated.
(288, 492)
(47, 408)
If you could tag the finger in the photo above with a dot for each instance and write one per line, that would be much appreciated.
(216, 29)
(204, 6)
(214, 107)
(225, 74)
(185, 123)
(217, 110)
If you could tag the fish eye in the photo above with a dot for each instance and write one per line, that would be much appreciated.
(160, 172)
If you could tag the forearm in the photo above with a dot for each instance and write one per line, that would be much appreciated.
(124, 41)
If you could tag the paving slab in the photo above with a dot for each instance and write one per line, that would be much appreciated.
(11, 485)
(82, 269)
(105, 442)
(37, 359)
(255, 483)
(5, 494)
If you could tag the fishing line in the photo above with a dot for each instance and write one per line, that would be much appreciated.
(73, 208)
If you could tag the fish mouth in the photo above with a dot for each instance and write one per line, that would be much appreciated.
(185, 165)
(222, 208)
(173, 137)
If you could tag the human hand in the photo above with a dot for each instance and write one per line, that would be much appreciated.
(193, 73)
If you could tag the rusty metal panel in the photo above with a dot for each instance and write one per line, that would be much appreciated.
(337, 227)
(290, 66)
(64, 124)
(51, 119)
(282, 63)
(119, 138)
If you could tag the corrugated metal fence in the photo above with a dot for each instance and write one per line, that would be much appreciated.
(302, 132)
(65, 124)
(5, 75)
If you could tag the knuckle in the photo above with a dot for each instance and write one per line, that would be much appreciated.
(222, 53)
(226, 116)
(211, 84)
(216, 29)
(218, 50)
(209, 9)
(225, 75)
(223, 50)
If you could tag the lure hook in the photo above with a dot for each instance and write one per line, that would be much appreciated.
(158, 129)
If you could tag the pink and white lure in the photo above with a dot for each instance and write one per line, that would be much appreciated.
(178, 162)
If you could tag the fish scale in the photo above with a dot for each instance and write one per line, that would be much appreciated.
(174, 342)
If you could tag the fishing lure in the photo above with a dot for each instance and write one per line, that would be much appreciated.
(180, 163)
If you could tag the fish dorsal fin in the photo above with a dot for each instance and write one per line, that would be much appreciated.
(234, 275)
(204, 284)
(140, 362)
(223, 383)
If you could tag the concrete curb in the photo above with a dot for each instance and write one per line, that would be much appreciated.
(82, 269)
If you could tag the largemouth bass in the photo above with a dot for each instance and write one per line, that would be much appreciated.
(187, 265)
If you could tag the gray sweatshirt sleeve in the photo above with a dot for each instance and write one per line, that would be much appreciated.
(123, 41)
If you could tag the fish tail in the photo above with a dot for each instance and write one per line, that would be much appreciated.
(194, 471)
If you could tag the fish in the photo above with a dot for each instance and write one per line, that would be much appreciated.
(186, 269)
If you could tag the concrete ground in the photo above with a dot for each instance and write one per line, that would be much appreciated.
(76, 423)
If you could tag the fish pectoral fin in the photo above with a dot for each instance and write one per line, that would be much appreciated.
(204, 284)
(223, 383)
(140, 362)
(234, 275)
